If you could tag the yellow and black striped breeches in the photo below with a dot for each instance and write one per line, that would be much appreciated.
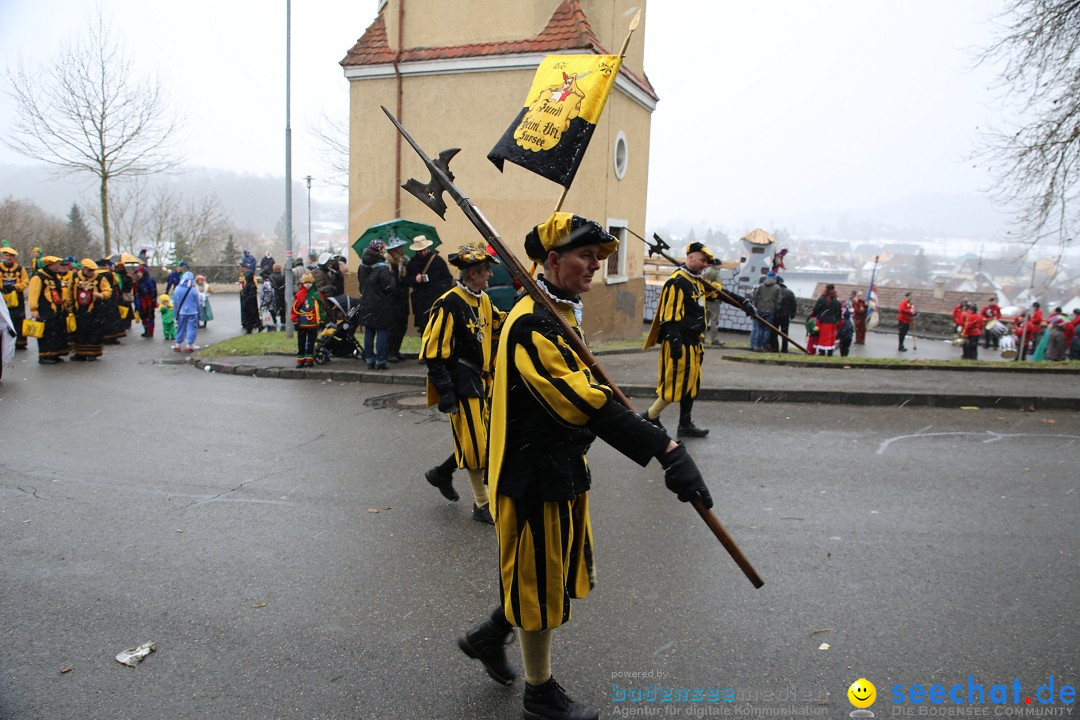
(679, 378)
(470, 427)
(545, 559)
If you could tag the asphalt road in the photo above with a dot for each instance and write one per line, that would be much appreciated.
(232, 521)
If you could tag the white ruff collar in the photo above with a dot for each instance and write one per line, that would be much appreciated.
(476, 295)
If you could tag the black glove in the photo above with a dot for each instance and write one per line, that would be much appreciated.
(448, 402)
(674, 340)
(682, 476)
(748, 308)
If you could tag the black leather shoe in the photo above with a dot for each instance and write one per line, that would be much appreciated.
(482, 515)
(692, 430)
(444, 483)
(486, 643)
(394, 359)
(550, 702)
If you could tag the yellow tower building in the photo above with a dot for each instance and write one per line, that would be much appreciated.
(455, 73)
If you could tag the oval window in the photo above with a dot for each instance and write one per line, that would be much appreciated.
(622, 155)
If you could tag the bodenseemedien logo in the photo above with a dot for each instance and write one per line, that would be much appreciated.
(861, 694)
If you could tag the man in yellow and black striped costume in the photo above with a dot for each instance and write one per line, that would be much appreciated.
(679, 326)
(458, 347)
(546, 410)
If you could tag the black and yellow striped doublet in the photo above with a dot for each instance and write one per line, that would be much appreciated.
(546, 410)
(458, 347)
(680, 321)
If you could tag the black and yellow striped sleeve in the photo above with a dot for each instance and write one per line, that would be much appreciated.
(671, 307)
(437, 342)
(564, 386)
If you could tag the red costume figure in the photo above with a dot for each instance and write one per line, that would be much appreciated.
(858, 314)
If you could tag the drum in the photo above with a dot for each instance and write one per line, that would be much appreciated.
(1008, 346)
(958, 339)
(997, 328)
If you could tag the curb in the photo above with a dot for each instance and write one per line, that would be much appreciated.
(908, 365)
(749, 395)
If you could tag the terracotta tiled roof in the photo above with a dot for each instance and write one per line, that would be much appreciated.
(568, 29)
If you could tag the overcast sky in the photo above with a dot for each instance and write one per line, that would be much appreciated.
(768, 107)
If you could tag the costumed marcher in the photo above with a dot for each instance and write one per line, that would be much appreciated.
(306, 315)
(858, 316)
(168, 318)
(376, 312)
(399, 299)
(711, 275)
(973, 324)
(89, 288)
(249, 304)
(125, 287)
(8, 337)
(458, 347)
(679, 327)
(206, 313)
(112, 326)
(789, 306)
(1037, 315)
(905, 313)
(15, 280)
(546, 410)
(958, 313)
(46, 303)
(991, 311)
(428, 276)
(146, 297)
(827, 310)
(767, 300)
(1074, 345)
(186, 306)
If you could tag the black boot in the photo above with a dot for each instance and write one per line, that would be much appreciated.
(655, 421)
(442, 477)
(487, 642)
(550, 702)
(687, 428)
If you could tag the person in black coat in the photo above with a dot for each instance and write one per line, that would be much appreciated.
(428, 275)
(399, 299)
(789, 306)
(376, 312)
(249, 304)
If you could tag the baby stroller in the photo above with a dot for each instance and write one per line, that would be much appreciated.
(338, 338)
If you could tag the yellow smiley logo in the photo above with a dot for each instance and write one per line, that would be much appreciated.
(862, 693)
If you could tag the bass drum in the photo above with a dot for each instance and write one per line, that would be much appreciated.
(996, 327)
(1008, 346)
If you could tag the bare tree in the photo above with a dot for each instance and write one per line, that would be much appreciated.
(89, 112)
(26, 226)
(333, 136)
(1035, 160)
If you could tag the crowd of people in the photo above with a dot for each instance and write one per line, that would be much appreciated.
(74, 308)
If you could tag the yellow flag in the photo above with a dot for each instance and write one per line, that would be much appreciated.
(551, 133)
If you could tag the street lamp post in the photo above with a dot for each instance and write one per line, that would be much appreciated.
(308, 178)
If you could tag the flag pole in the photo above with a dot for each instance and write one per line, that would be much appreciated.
(622, 53)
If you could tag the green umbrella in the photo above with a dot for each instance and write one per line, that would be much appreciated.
(400, 228)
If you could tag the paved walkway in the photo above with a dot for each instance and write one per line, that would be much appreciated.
(746, 379)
